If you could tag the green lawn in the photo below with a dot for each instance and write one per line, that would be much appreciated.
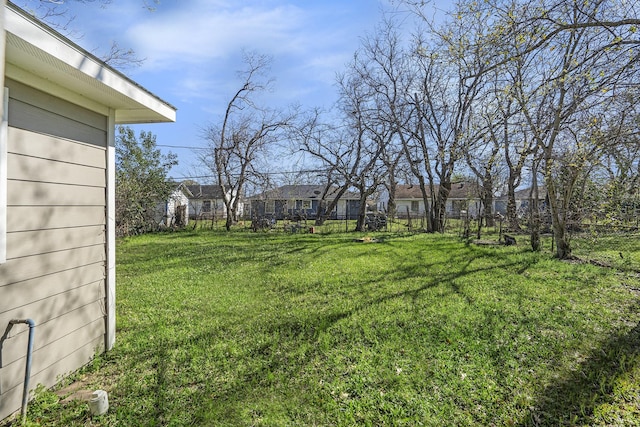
(266, 329)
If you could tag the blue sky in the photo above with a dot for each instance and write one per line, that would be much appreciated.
(193, 49)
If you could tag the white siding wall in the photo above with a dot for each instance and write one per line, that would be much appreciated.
(176, 199)
(341, 209)
(472, 206)
(55, 269)
(403, 205)
(196, 209)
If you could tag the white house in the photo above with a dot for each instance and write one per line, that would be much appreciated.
(291, 201)
(522, 201)
(206, 201)
(175, 210)
(57, 214)
(463, 197)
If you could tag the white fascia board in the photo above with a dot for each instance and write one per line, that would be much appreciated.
(4, 129)
(40, 51)
(110, 280)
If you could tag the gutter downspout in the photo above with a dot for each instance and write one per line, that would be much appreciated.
(27, 370)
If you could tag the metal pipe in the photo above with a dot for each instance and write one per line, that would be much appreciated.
(27, 370)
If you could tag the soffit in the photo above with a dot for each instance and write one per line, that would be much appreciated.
(37, 55)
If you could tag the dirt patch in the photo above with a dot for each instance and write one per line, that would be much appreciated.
(366, 240)
(487, 243)
(81, 389)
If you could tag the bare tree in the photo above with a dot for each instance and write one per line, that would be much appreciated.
(368, 136)
(619, 136)
(382, 65)
(534, 204)
(394, 161)
(121, 58)
(351, 151)
(450, 77)
(517, 148)
(246, 132)
(577, 56)
(483, 152)
(330, 149)
(499, 144)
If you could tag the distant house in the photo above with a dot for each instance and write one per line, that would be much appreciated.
(303, 201)
(193, 202)
(174, 212)
(57, 200)
(206, 202)
(523, 201)
(463, 198)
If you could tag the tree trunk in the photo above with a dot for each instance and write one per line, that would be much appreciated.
(232, 209)
(534, 220)
(487, 203)
(534, 213)
(362, 210)
(440, 208)
(487, 200)
(535, 232)
(361, 217)
(428, 204)
(326, 209)
(563, 247)
(391, 206)
(478, 236)
(558, 218)
(513, 224)
(321, 215)
(229, 222)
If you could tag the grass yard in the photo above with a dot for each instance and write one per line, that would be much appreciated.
(263, 329)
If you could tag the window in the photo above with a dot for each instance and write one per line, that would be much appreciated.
(270, 206)
(206, 206)
(306, 205)
(415, 205)
(4, 128)
(458, 207)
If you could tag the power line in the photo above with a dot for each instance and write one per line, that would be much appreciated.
(262, 173)
(182, 146)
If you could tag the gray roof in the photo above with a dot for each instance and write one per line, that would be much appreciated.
(205, 192)
(459, 190)
(302, 192)
(525, 194)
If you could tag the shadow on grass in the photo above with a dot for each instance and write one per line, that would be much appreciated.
(279, 355)
(225, 401)
(573, 400)
(308, 331)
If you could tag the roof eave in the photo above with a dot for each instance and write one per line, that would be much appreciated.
(38, 55)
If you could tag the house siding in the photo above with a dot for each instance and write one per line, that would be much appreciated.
(197, 211)
(453, 208)
(403, 205)
(56, 240)
(282, 209)
(177, 200)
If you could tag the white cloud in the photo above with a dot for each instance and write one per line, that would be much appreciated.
(198, 44)
(198, 33)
